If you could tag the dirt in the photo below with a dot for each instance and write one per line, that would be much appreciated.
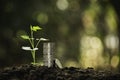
(32, 72)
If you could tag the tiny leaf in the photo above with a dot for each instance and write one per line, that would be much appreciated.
(35, 28)
(43, 39)
(26, 48)
(25, 37)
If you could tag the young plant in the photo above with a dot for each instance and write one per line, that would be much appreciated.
(32, 40)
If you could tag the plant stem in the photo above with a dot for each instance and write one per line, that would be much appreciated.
(32, 39)
(33, 56)
(32, 44)
(37, 43)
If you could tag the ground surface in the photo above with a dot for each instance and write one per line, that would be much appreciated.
(30, 72)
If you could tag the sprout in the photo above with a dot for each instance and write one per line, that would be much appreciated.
(31, 39)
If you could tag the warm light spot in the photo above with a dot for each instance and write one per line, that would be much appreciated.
(114, 61)
(111, 19)
(62, 4)
(90, 17)
(91, 52)
(112, 41)
(42, 18)
(88, 22)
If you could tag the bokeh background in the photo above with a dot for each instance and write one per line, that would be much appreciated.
(86, 32)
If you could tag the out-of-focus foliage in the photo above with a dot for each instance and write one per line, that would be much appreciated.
(85, 31)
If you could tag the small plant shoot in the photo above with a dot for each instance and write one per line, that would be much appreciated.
(32, 41)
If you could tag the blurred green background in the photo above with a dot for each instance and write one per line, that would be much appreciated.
(86, 32)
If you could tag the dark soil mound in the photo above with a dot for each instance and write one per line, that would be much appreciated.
(31, 72)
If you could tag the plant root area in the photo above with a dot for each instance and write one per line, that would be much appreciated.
(32, 72)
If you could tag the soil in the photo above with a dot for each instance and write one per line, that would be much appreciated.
(32, 72)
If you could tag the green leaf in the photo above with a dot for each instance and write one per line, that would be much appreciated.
(35, 28)
(25, 37)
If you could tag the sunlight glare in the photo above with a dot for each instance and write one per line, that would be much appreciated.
(42, 18)
(91, 51)
(114, 61)
(62, 4)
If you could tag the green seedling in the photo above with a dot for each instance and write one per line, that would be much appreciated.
(32, 41)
